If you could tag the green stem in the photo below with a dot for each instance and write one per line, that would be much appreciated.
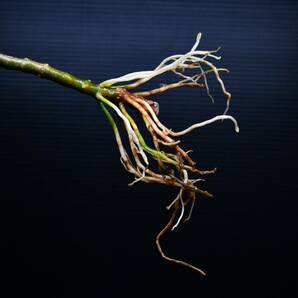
(48, 72)
(108, 115)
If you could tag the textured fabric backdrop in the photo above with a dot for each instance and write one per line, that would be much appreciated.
(71, 226)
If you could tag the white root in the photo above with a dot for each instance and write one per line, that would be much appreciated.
(174, 201)
(192, 59)
(181, 214)
(138, 179)
(206, 122)
(129, 128)
(190, 211)
(181, 201)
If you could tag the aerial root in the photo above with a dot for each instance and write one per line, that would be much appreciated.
(164, 256)
(173, 163)
(206, 122)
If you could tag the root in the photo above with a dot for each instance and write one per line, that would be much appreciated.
(164, 256)
(173, 163)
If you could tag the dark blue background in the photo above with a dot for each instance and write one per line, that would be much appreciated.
(71, 226)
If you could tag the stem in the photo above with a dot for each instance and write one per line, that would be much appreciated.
(48, 72)
(108, 115)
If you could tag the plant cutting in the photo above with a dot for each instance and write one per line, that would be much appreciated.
(159, 158)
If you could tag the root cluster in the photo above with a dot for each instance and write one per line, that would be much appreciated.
(173, 165)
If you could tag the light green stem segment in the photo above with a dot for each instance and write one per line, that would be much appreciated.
(108, 115)
(46, 71)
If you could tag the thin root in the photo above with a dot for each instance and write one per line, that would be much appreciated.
(164, 256)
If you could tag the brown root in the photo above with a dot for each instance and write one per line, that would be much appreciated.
(164, 256)
(173, 165)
